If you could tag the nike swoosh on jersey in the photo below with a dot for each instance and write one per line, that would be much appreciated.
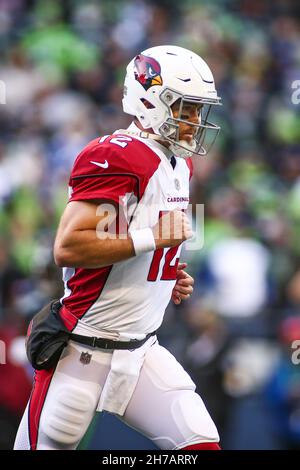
(102, 165)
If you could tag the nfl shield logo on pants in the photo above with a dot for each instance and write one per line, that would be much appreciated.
(85, 358)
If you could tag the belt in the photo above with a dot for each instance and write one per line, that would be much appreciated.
(102, 343)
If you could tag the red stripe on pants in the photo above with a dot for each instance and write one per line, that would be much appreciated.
(41, 385)
(203, 446)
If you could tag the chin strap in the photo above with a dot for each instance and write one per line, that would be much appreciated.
(142, 134)
(180, 150)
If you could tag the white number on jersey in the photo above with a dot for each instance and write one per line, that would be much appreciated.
(121, 141)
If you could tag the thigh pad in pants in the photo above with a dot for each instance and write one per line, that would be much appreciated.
(68, 411)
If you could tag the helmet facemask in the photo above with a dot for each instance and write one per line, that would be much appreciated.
(204, 132)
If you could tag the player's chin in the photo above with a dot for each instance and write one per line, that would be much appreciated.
(187, 137)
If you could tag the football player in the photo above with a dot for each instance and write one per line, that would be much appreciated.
(119, 242)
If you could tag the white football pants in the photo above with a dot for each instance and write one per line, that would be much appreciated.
(164, 406)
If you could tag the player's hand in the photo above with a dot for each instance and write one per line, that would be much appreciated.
(183, 288)
(172, 229)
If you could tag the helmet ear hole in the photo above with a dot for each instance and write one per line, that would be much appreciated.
(147, 104)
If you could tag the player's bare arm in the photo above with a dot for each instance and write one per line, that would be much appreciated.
(79, 244)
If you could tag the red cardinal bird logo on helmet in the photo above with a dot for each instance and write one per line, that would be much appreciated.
(147, 71)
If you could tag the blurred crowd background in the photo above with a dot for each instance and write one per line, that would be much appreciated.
(63, 65)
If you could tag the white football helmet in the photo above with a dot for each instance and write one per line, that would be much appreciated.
(158, 77)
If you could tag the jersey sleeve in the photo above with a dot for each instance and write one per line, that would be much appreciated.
(100, 172)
